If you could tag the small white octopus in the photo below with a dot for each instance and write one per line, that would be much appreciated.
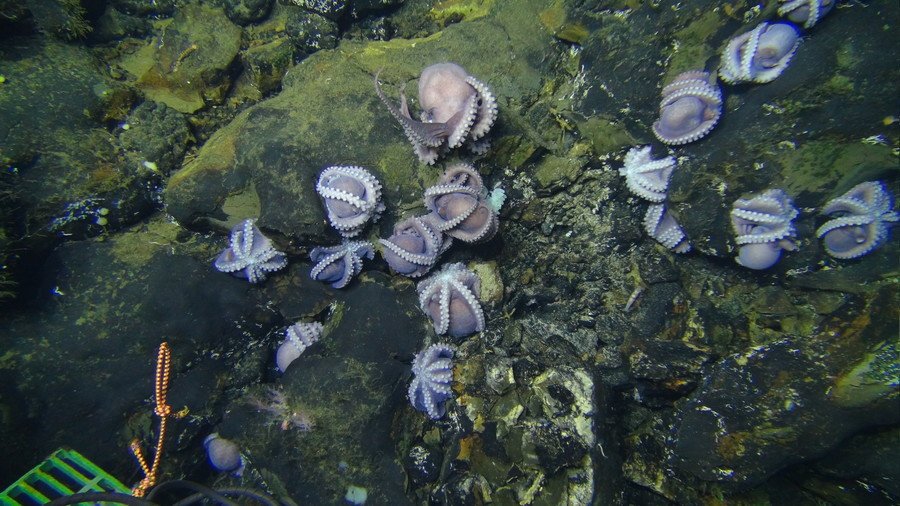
(250, 254)
(763, 227)
(860, 220)
(352, 197)
(662, 226)
(449, 298)
(647, 178)
(759, 55)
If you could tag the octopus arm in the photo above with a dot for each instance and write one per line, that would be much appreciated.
(427, 134)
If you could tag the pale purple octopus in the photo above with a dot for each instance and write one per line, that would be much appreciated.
(690, 107)
(339, 264)
(460, 206)
(224, 455)
(805, 12)
(298, 337)
(759, 55)
(432, 375)
(661, 225)
(352, 197)
(456, 108)
(647, 178)
(763, 227)
(449, 298)
(414, 247)
(861, 220)
(250, 254)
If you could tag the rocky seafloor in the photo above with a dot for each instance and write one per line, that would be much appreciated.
(136, 133)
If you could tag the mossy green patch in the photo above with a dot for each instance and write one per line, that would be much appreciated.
(822, 165)
(839, 84)
(604, 135)
(556, 20)
(692, 49)
(453, 11)
(188, 63)
(556, 172)
(242, 205)
(876, 376)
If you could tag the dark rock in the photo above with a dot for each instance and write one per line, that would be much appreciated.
(422, 465)
(265, 65)
(554, 448)
(332, 9)
(156, 134)
(145, 8)
(35, 106)
(244, 12)
(115, 25)
(84, 358)
(870, 458)
(349, 385)
(766, 408)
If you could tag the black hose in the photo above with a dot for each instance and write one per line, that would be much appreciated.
(199, 492)
(255, 495)
(113, 497)
(195, 487)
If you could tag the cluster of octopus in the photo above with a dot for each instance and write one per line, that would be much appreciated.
(458, 110)
(691, 105)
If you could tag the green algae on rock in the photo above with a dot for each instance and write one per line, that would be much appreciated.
(188, 63)
(328, 113)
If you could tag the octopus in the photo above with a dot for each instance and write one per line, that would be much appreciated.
(224, 455)
(805, 12)
(352, 198)
(861, 220)
(647, 178)
(690, 108)
(759, 55)
(449, 298)
(298, 337)
(763, 227)
(250, 254)
(461, 207)
(661, 225)
(339, 264)
(457, 109)
(414, 246)
(432, 374)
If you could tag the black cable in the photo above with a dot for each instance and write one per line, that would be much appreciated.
(195, 487)
(255, 495)
(200, 492)
(113, 497)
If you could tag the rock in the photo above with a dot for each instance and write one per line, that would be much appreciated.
(326, 114)
(870, 458)
(557, 173)
(108, 304)
(350, 384)
(35, 106)
(244, 12)
(331, 9)
(422, 465)
(66, 20)
(144, 8)
(790, 401)
(115, 25)
(188, 64)
(158, 135)
(265, 66)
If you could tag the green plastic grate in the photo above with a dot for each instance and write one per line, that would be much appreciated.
(63, 473)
